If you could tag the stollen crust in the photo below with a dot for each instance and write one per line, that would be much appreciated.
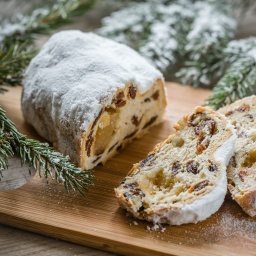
(90, 96)
(183, 180)
(241, 171)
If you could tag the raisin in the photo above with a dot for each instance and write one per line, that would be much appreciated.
(88, 143)
(233, 161)
(132, 185)
(201, 120)
(138, 192)
(120, 95)
(249, 115)
(155, 95)
(151, 121)
(96, 160)
(175, 168)
(190, 120)
(130, 135)
(242, 174)
(244, 108)
(200, 148)
(119, 148)
(134, 190)
(112, 147)
(192, 167)
(132, 92)
(201, 137)
(99, 152)
(213, 167)
(209, 123)
(200, 185)
(147, 100)
(231, 182)
(135, 120)
(120, 103)
(229, 113)
(127, 196)
(146, 160)
(142, 208)
(119, 98)
(194, 119)
(199, 131)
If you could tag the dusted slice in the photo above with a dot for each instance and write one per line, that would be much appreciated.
(241, 171)
(90, 96)
(183, 180)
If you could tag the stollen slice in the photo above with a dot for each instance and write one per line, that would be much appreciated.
(183, 180)
(241, 171)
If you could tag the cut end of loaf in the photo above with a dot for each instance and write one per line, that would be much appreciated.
(181, 181)
(129, 116)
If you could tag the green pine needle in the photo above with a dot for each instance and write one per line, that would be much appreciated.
(44, 20)
(17, 49)
(212, 29)
(49, 163)
(14, 58)
(237, 83)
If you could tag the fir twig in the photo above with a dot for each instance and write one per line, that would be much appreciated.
(157, 29)
(13, 60)
(239, 79)
(238, 82)
(45, 160)
(212, 29)
(167, 32)
(17, 35)
(16, 50)
(43, 20)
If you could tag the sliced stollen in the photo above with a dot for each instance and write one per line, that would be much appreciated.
(183, 180)
(90, 96)
(241, 171)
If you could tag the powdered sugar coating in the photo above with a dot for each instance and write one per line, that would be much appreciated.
(75, 75)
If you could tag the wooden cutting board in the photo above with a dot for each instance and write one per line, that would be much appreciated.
(96, 219)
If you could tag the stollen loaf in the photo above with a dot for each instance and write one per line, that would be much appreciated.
(90, 96)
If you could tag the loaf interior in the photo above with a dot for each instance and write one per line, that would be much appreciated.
(129, 116)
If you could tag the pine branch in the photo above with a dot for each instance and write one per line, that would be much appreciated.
(18, 34)
(238, 82)
(168, 31)
(212, 29)
(14, 58)
(239, 79)
(49, 164)
(43, 20)
(157, 29)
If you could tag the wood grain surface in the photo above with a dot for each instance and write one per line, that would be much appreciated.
(96, 219)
